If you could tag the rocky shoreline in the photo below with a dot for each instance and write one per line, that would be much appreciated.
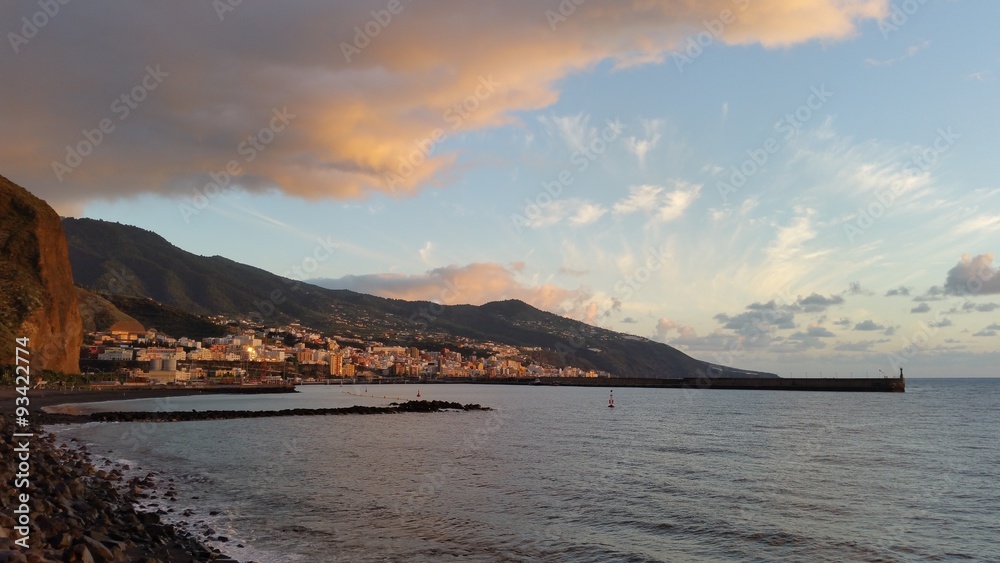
(81, 513)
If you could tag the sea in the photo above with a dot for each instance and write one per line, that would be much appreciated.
(553, 474)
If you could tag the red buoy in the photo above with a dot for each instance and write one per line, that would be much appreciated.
(418, 393)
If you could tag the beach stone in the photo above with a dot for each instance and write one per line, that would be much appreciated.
(99, 551)
(8, 556)
(35, 555)
(76, 487)
(80, 554)
(61, 541)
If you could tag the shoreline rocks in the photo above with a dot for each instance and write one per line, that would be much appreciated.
(81, 513)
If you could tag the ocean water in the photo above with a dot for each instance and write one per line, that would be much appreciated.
(553, 474)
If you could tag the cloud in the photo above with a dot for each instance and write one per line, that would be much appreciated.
(969, 306)
(911, 51)
(576, 212)
(684, 337)
(640, 197)
(587, 213)
(844, 322)
(813, 332)
(862, 346)
(664, 205)
(944, 322)
(989, 331)
(922, 308)
(815, 302)
(574, 130)
(665, 326)
(470, 284)
(934, 293)
(448, 66)
(901, 291)
(676, 202)
(641, 147)
(787, 257)
(856, 289)
(973, 275)
(425, 252)
(868, 325)
(758, 321)
(629, 320)
(981, 76)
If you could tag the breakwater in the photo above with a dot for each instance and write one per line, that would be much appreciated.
(183, 416)
(861, 385)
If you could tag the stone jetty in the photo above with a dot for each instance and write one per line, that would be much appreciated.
(184, 416)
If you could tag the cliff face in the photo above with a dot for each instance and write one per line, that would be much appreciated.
(37, 296)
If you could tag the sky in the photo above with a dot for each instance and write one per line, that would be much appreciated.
(804, 187)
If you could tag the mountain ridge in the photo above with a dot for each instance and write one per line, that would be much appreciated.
(128, 261)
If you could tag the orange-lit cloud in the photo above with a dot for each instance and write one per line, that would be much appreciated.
(472, 284)
(375, 123)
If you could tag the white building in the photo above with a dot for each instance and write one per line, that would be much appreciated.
(117, 354)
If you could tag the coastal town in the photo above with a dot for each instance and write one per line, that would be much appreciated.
(130, 354)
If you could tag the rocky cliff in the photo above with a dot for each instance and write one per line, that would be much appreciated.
(37, 296)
